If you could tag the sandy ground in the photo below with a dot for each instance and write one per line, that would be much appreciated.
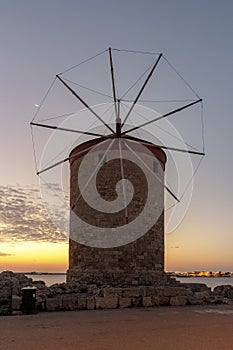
(162, 328)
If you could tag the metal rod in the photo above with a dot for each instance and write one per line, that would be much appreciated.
(65, 129)
(147, 143)
(123, 183)
(142, 88)
(118, 127)
(118, 120)
(91, 176)
(113, 81)
(64, 160)
(171, 193)
(52, 166)
(162, 116)
(84, 103)
(118, 108)
(180, 150)
(156, 176)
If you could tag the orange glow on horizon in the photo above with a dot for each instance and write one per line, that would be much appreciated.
(31, 256)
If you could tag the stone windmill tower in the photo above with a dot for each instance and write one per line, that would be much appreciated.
(142, 260)
(117, 196)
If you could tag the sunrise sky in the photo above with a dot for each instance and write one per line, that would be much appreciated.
(40, 39)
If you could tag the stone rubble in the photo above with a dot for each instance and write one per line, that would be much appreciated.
(63, 297)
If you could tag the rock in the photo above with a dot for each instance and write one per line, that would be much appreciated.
(16, 303)
(191, 300)
(11, 284)
(5, 297)
(58, 289)
(196, 287)
(15, 285)
(227, 301)
(205, 296)
(225, 291)
(23, 280)
(6, 275)
(91, 296)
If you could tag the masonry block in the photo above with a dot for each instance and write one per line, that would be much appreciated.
(90, 303)
(178, 300)
(124, 302)
(106, 303)
(112, 292)
(16, 303)
(147, 301)
(82, 303)
(53, 304)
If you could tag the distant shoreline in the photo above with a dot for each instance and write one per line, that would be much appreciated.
(180, 276)
(43, 273)
(34, 273)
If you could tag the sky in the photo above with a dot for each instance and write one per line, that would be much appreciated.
(39, 39)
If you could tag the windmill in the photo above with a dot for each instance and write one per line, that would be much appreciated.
(115, 144)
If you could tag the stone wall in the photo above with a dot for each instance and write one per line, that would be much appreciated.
(138, 263)
(64, 297)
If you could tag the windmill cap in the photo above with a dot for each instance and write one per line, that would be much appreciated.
(85, 147)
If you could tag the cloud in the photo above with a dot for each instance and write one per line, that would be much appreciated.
(24, 218)
(5, 254)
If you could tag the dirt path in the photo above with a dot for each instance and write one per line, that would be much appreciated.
(162, 328)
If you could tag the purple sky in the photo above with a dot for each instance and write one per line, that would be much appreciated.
(42, 38)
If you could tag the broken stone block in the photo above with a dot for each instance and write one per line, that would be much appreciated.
(112, 292)
(136, 301)
(82, 303)
(178, 300)
(124, 302)
(90, 303)
(16, 303)
(53, 304)
(163, 301)
(174, 291)
(205, 296)
(131, 292)
(106, 303)
(147, 301)
(69, 303)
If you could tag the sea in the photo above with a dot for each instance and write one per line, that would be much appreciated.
(211, 282)
(48, 279)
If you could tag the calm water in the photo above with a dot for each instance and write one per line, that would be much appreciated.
(210, 282)
(48, 279)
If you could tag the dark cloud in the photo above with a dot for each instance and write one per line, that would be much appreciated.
(176, 247)
(24, 218)
(5, 254)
